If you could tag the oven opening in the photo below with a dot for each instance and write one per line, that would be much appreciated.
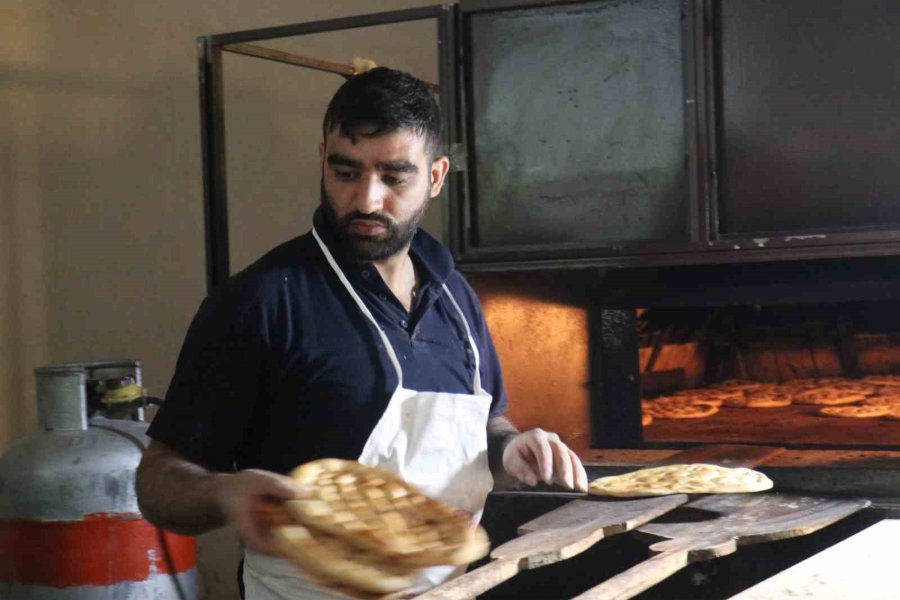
(797, 376)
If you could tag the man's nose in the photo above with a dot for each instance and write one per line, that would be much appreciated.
(370, 194)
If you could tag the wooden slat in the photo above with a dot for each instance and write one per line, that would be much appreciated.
(291, 59)
(555, 536)
(734, 519)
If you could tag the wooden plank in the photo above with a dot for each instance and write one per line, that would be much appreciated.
(553, 537)
(607, 513)
(298, 60)
(861, 567)
(291, 59)
(734, 519)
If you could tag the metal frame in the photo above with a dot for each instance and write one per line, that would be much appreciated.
(212, 105)
(473, 257)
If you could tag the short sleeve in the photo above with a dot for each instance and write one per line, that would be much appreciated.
(211, 398)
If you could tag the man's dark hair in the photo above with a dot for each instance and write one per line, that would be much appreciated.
(387, 100)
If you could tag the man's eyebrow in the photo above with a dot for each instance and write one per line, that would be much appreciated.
(339, 160)
(398, 166)
(394, 166)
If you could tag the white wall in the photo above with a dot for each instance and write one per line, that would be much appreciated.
(101, 214)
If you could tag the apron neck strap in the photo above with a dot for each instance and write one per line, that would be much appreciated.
(384, 339)
(362, 307)
(477, 383)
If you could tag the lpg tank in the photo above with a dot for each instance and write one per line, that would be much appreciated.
(70, 527)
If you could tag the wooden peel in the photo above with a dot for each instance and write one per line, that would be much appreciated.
(555, 536)
(576, 526)
(737, 519)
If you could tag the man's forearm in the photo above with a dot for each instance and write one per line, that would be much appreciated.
(499, 432)
(177, 494)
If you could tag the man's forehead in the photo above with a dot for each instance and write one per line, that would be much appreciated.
(397, 144)
(399, 138)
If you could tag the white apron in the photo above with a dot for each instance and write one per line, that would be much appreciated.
(436, 441)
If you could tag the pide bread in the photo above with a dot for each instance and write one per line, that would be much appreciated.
(768, 398)
(738, 384)
(882, 380)
(855, 412)
(689, 410)
(696, 478)
(365, 529)
(883, 399)
(827, 396)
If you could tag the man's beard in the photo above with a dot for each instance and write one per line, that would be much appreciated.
(396, 237)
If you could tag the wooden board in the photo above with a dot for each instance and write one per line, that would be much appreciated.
(733, 519)
(861, 567)
(555, 536)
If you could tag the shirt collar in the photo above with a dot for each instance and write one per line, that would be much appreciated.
(431, 256)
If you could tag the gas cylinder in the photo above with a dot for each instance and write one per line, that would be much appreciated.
(70, 527)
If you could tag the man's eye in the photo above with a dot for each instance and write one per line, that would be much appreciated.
(345, 175)
(391, 180)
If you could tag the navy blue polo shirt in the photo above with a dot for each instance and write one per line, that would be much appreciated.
(280, 367)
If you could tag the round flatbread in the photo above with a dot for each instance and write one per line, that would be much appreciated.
(333, 563)
(888, 399)
(684, 400)
(826, 396)
(710, 395)
(855, 387)
(883, 380)
(738, 384)
(800, 384)
(893, 413)
(768, 398)
(378, 512)
(696, 410)
(697, 478)
(854, 412)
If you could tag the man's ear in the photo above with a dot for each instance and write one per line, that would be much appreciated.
(322, 155)
(439, 169)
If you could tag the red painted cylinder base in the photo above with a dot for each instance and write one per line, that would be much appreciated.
(101, 549)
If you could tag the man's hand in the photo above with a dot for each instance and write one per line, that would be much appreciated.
(539, 455)
(249, 499)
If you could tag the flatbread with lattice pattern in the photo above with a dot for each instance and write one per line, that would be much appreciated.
(378, 512)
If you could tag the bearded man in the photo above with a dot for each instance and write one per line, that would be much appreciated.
(312, 352)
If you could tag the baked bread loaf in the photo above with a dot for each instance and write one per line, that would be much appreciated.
(364, 530)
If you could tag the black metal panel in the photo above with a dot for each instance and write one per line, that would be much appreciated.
(615, 378)
(215, 192)
(797, 282)
(809, 131)
(451, 111)
(577, 125)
